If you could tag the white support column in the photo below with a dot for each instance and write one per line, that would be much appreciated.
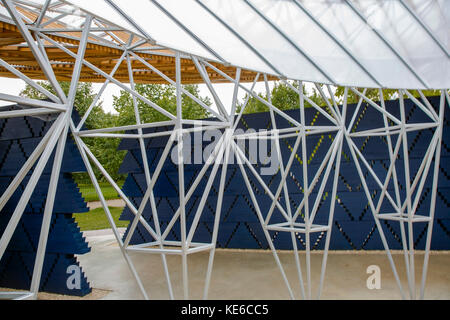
(217, 213)
(42, 153)
(373, 209)
(396, 188)
(332, 159)
(410, 213)
(342, 121)
(116, 233)
(39, 36)
(261, 219)
(148, 176)
(26, 195)
(49, 205)
(182, 204)
(437, 160)
(405, 208)
(284, 186)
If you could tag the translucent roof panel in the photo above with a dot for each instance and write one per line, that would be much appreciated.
(228, 43)
(161, 28)
(394, 21)
(364, 43)
(101, 9)
(435, 15)
(294, 20)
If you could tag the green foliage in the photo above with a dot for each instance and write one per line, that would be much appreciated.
(427, 93)
(162, 95)
(83, 99)
(104, 149)
(96, 219)
(89, 194)
(283, 97)
(374, 94)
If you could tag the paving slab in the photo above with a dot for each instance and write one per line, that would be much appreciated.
(118, 203)
(253, 274)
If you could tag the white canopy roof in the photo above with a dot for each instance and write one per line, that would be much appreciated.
(364, 43)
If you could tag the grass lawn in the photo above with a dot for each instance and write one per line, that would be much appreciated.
(89, 194)
(96, 219)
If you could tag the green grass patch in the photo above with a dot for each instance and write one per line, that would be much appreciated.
(96, 219)
(89, 194)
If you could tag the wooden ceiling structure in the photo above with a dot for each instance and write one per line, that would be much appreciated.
(15, 51)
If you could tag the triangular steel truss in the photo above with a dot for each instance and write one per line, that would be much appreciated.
(298, 222)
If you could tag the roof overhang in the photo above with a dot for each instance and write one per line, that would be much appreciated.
(370, 43)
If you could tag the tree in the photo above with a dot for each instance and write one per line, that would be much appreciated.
(162, 95)
(83, 99)
(374, 94)
(283, 97)
(104, 149)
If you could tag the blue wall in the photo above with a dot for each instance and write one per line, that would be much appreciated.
(18, 139)
(353, 225)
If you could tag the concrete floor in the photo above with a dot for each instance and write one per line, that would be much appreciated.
(240, 274)
(118, 203)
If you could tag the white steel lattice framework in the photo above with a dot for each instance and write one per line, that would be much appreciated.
(35, 19)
